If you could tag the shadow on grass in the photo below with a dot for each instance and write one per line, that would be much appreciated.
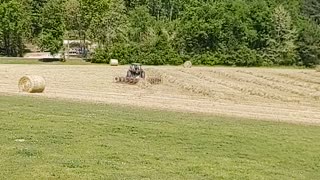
(50, 60)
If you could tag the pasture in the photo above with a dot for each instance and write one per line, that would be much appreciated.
(57, 139)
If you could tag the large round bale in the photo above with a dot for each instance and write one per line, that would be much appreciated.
(187, 64)
(114, 62)
(32, 84)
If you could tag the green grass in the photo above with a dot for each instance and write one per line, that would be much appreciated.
(70, 140)
(36, 61)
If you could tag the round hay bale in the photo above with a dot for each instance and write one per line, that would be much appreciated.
(32, 84)
(187, 64)
(318, 68)
(114, 62)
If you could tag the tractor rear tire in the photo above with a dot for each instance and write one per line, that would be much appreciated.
(143, 75)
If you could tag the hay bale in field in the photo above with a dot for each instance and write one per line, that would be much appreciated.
(187, 64)
(32, 84)
(114, 62)
(318, 68)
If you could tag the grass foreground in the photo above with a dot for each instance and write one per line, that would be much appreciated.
(50, 139)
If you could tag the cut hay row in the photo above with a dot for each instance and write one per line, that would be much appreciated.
(284, 86)
(231, 93)
(200, 80)
(186, 85)
(143, 84)
(200, 76)
(299, 77)
(247, 87)
(310, 74)
(304, 86)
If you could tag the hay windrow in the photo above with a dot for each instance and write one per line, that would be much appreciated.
(300, 77)
(284, 87)
(245, 88)
(143, 84)
(32, 84)
(302, 86)
(181, 83)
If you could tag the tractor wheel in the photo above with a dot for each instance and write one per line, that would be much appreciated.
(129, 74)
(143, 75)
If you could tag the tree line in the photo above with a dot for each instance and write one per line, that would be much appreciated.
(158, 32)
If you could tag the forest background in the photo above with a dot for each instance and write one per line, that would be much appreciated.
(160, 32)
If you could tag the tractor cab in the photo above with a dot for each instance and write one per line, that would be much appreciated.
(135, 71)
(135, 67)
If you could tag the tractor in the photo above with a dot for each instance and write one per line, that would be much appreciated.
(135, 73)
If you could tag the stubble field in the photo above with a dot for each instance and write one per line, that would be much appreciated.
(291, 95)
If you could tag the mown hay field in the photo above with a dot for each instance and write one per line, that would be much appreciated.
(291, 95)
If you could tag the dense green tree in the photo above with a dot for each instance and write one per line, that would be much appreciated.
(311, 8)
(53, 26)
(36, 15)
(281, 44)
(72, 18)
(226, 32)
(14, 26)
(109, 24)
(309, 43)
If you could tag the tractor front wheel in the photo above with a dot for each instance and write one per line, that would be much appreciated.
(143, 75)
(129, 74)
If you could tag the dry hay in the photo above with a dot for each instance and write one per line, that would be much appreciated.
(114, 62)
(187, 64)
(226, 91)
(153, 76)
(318, 68)
(286, 86)
(143, 84)
(187, 85)
(32, 84)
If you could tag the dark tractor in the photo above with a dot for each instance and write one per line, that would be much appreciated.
(136, 71)
(136, 74)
